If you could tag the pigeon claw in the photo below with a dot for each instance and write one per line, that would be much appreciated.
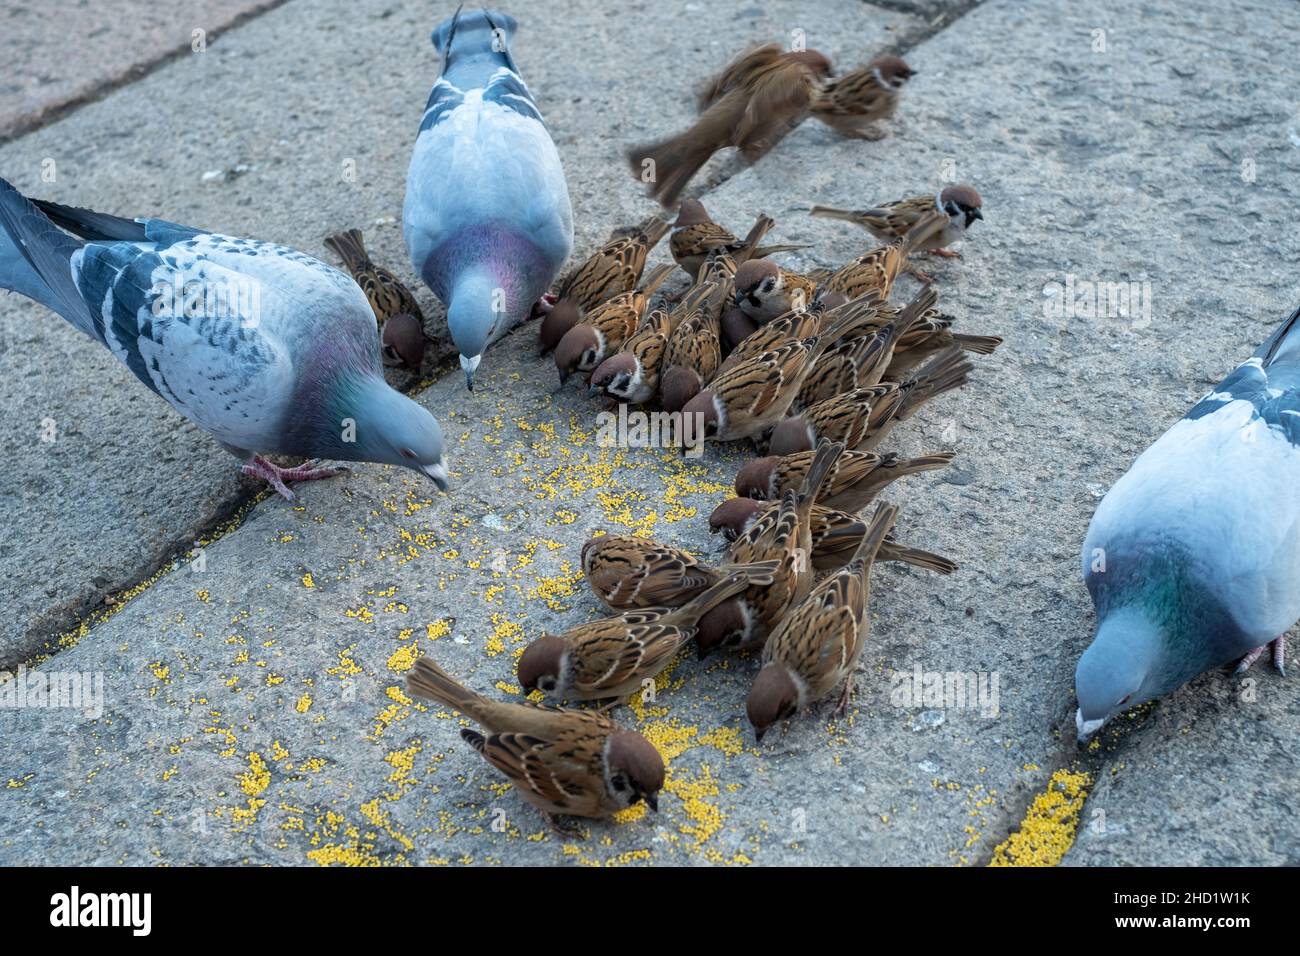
(1278, 647)
(276, 476)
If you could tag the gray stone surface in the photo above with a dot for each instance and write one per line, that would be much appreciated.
(251, 717)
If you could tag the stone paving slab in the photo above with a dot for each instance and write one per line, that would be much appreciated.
(254, 710)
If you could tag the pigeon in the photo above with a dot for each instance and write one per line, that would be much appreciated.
(267, 349)
(1193, 558)
(487, 219)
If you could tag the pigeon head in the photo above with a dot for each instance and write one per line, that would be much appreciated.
(772, 697)
(733, 516)
(474, 314)
(1119, 670)
(757, 478)
(478, 33)
(390, 428)
(577, 351)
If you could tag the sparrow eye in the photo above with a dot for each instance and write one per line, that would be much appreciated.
(407, 453)
(547, 684)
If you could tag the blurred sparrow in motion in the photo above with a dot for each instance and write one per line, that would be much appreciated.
(853, 103)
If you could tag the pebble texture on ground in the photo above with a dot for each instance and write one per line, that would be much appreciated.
(255, 709)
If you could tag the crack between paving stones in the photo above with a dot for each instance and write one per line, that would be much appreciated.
(138, 71)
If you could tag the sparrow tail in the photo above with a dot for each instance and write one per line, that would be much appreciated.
(656, 278)
(891, 551)
(948, 370)
(670, 164)
(748, 248)
(348, 246)
(915, 310)
(829, 212)
(762, 252)
(881, 524)
(979, 344)
(431, 682)
(652, 230)
(735, 580)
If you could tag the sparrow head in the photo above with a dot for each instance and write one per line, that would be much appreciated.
(563, 316)
(733, 516)
(726, 625)
(755, 280)
(772, 697)
(962, 204)
(891, 71)
(814, 62)
(540, 664)
(691, 213)
(703, 406)
(677, 386)
(736, 326)
(614, 374)
(829, 301)
(791, 435)
(757, 478)
(634, 770)
(577, 350)
(403, 341)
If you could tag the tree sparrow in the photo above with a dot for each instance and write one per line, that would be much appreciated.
(696, 236)
(386, 293)
(614, 268)
(961, 204)
(855, 480)
(853, 103)
(604, 330)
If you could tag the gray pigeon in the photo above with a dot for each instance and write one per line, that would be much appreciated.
(487, 219)
(1193, 556)
(268, 349)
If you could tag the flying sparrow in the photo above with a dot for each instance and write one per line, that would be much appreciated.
(754, 394)
(614, 268)
(611, 657)
(696, 236)
(561, 761)
(835, 535)
(816, 646)
(603, 331)
(784, 535)
(961, 204)
(857, 477)
(853, 103)
(387, 295)
(751, 115)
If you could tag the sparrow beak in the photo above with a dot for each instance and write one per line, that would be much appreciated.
(652, 801)
(978, 214)
(564, 377)
(758, 733)
(438, 472)
(1085, 729)
(738, 298)
(593, 391)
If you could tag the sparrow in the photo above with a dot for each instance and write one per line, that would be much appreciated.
(1191, 558)
(626, 573)
(694, 352)
(930, 335)
(385, 292)
(815, 647)
(961, 204)
(764, 290)
(879, 268)
(574, 762)
(633, 374)
(487, 218)
(863, 418)
(751, 115)
(402, 341)
(793, 326)
(754, 394)
(855, 480)
(784, 535)
(835, 535)
(859, 362)
(612, 657)
(614, 268)
(696, 236)
(604, 330)
(853, 103)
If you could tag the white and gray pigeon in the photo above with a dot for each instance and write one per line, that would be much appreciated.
(487, 218)
(1193, 557)
(268, 349)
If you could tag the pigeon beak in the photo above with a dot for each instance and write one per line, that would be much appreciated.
(652, 801)
(470, 365)
(438, 472)
(1086, 729)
